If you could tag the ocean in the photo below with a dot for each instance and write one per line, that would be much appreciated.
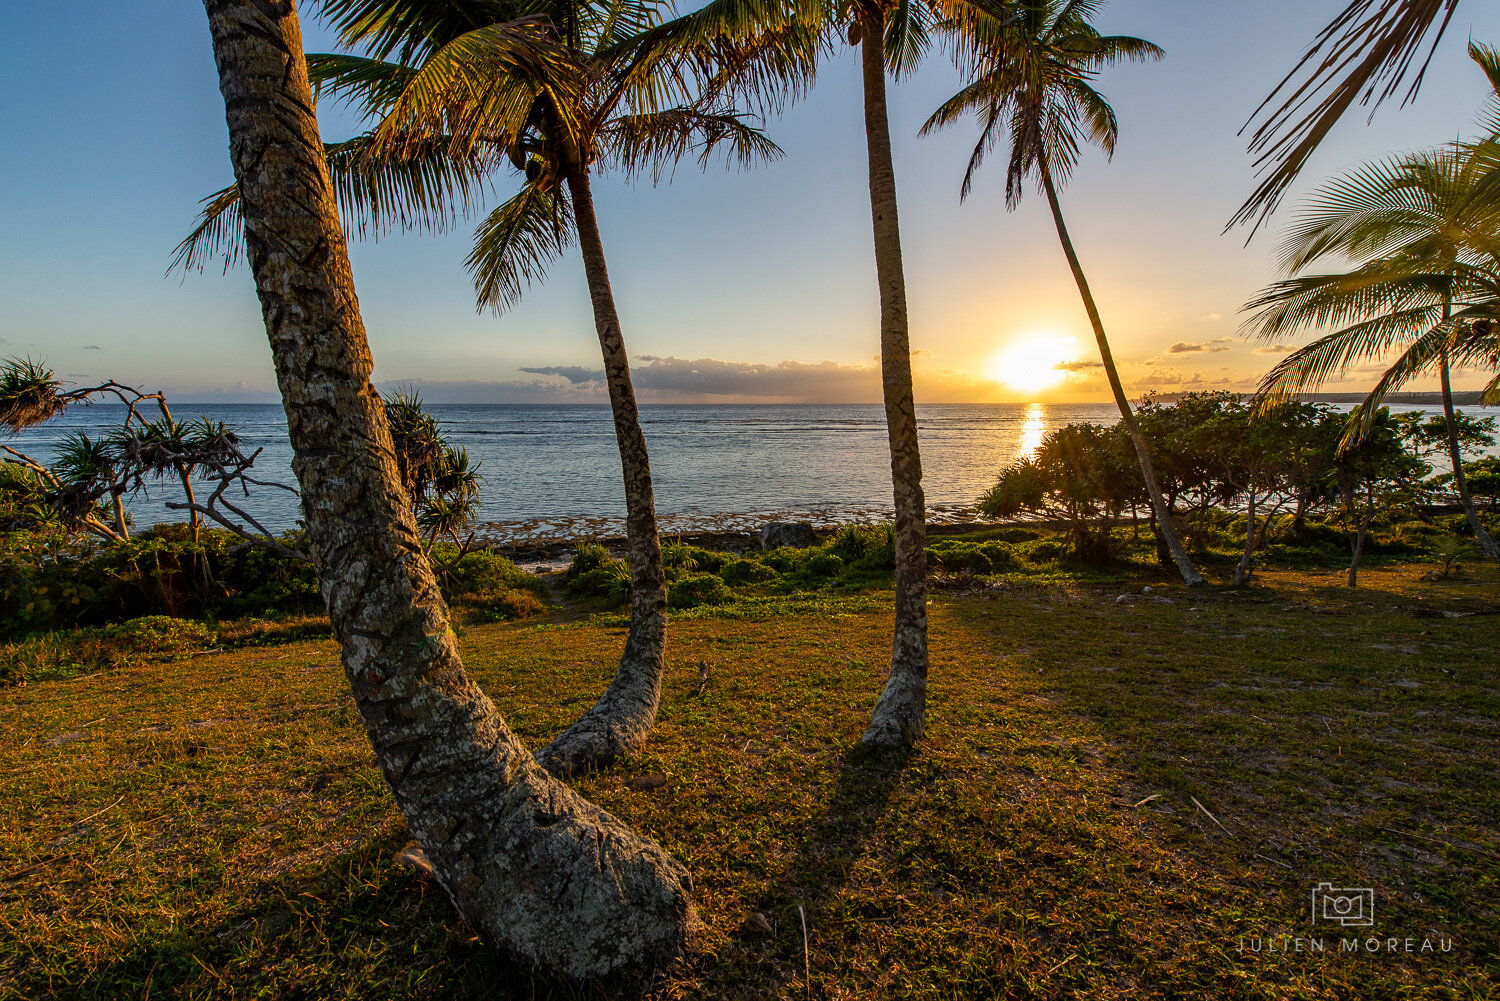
(552, 472)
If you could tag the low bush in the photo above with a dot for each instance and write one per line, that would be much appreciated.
(159, 634)
(747, 570)
(692, 590)
(484, 575)
(510, 605)
(70, 652)
(974, 557)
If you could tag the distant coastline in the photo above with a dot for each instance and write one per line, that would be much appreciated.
(1464, 398)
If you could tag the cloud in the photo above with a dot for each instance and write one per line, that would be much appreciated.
(92, 347)
(1211, 316)
(664, 378)
(1169, 376)
(1274, 349)
(573, 373)
(1194, 347)
(1079, 366)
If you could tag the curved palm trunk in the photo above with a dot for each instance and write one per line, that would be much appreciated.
(1164, 522)
(901, 712)
(532, 866)
(624, 715)
(1486, 542)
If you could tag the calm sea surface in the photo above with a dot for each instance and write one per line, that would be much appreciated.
(553, 471)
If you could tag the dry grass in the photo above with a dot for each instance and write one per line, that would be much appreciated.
(215, 827)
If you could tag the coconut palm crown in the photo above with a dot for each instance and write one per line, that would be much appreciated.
(1422, 235)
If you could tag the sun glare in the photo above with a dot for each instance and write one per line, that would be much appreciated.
(1034, 363)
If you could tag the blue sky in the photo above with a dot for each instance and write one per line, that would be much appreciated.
(730, 285)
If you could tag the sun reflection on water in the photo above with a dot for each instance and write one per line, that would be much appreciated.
(1031, 432)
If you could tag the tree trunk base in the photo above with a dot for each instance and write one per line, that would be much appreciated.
(593, 742)
(622, 720)
(567, 886)
(900, 715)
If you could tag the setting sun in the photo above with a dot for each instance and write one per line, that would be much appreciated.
(1034, 362)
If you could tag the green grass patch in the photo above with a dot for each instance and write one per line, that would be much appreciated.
(215, 826)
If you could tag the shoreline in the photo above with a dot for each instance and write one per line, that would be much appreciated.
(547, 540)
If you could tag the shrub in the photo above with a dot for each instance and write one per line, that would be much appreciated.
(678, 555)
(1045, 551)
(159, 634)
(824, 565)
(587, 556)
(484, 574)
(747, 570)
(66, 653)
(519, 605)
(975, 557)
(609, 580)
(866, 548)
(693, 590)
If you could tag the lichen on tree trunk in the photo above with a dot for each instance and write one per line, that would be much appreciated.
(900, 714)
(533, 867)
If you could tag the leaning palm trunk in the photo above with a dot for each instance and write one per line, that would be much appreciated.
(1164, 522)
(532, 866)
(1486, 542)
(901, 713)
(624, 715)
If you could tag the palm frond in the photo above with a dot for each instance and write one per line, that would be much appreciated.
(654, 143)
(516, 244)
(481, 88)
(367, 86)
(1334, 354)
(422, 187)
(410, 31)
(906, 36)
(1364, 54)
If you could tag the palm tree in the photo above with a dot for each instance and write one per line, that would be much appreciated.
(533, 867)
(769, 50)
(1422, 233)
(1031, 65)
(555, 91)
(892, 35)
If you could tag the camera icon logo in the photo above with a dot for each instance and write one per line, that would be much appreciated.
(1350, 906)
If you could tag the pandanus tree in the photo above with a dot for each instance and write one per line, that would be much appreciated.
(1422, 233)
(533, 867)
(1031, 67)
(557, 91)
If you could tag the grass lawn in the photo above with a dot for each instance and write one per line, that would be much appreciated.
(1114, 800)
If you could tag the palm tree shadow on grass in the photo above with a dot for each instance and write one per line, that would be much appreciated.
(820, 867)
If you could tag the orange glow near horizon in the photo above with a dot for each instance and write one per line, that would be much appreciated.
(1034, 363)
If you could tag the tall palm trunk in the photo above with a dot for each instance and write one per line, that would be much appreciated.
(901, 712)
(1164, 522)
(1486, 542)
(532, 866)
(624, 715)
